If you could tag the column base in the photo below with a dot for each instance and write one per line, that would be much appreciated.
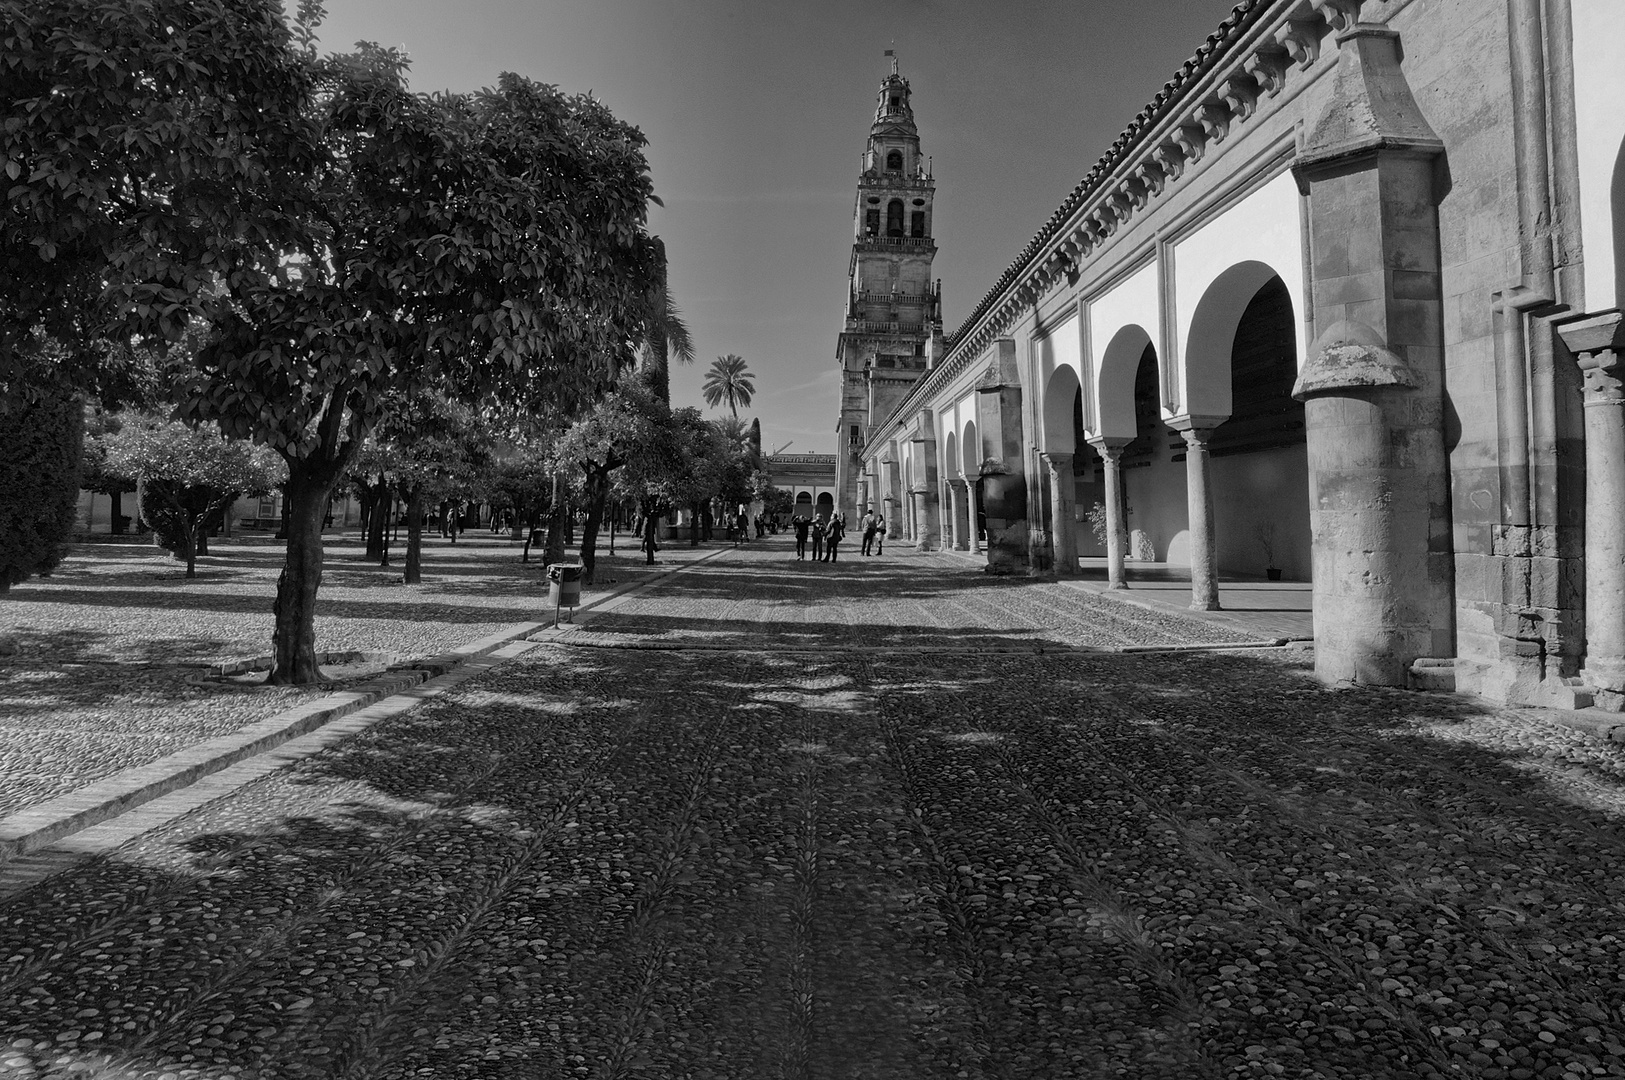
(1205, 605)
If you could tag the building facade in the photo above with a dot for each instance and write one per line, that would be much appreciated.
(893, 321)
(809, 478)
(1342, 300)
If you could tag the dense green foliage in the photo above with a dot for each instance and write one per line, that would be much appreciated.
(189, 476)
(41, 444)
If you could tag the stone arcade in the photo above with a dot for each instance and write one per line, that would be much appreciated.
(1340, 301)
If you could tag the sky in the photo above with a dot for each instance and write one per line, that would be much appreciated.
(756, 112)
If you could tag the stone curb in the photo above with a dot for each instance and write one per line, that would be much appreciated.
(41, 825)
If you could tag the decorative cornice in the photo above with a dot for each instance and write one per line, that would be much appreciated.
(1213, 93)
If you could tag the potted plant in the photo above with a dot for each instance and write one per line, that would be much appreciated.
(1265, 532)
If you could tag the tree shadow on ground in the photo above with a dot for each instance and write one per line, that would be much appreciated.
(449, 881)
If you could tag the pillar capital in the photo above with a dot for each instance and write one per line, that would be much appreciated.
(1598, 344)
(1196, 429)
(1110, 447)
(1057, 458)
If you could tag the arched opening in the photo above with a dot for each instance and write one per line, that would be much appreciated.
(826, 505)
(1155, 515)
(894, 218)
(894, 161)
(970, 461)
(1259, 459)
(970, 452)
(804, 504)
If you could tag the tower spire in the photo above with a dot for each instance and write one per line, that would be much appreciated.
(893, 54)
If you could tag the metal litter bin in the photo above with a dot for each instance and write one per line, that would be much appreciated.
(564, 588)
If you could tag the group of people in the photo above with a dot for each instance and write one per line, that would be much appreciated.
(826, 535)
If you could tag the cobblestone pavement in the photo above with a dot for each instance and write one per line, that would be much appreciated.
(114, 643)
(651, 862)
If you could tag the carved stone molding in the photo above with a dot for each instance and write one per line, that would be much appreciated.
(1170, 156)
(1300, 37)
(1214, 116)
(1192, 141)
(1240, 94)
(1340, 14)
(1268, 68)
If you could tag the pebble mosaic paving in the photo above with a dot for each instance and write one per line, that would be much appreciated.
(811, 855)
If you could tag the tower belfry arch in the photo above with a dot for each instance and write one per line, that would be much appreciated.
(892, 328)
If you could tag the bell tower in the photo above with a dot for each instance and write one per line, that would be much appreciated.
(893, 326)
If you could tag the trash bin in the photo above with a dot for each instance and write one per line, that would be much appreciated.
(564, 588)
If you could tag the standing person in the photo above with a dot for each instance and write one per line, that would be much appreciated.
(742, 523)
(880, 535)
(818, 539)
(833, 535)
(869, 520)
(801, 525)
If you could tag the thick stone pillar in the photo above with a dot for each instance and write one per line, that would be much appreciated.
(1598, 342)
(1111, 456)
(1372, 385)
(928, 513)
(1063, 503)
(894, 498)
(973, 506)
(959, 513)
(1196, 431)
(1003, 482)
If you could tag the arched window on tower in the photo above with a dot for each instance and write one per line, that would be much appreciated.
(871, 222)
(916, 223)
(894, 161)
(894, 218)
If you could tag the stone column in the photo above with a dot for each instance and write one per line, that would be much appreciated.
(1003, 486)
(1196, 431)
(957, 495)
(1063, 503)
(1372, 384)
(894, 497)
(1598, 342)
(1111, 456)
(973, 511)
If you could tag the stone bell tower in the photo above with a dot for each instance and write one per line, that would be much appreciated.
(893, 327)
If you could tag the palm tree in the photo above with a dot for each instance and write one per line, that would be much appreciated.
(728, 381)
(665, 334)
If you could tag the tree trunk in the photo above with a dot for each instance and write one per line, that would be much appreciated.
(117, 497)
(414, 536)
(282, 531)
(597, 491)
(649, 523)
(377, 520)
(293, 642)
(556, 518)
(189, 541)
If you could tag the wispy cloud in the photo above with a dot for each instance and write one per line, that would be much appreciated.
(830, 378)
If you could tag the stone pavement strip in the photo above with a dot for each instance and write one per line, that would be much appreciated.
(799, 853)
(34, 828)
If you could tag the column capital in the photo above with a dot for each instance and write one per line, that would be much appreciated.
(1598, 337)
(1057, 457)
(1196, 429)
(1110, 447)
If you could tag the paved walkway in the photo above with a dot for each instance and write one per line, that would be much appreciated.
(742, 826)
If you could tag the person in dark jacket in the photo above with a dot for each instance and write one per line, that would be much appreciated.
(832, 537)
(802, 525)
(818, 539)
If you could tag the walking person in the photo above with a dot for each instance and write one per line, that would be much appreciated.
(832, 538)
(869, 521)
(818, 540)
(802, 525)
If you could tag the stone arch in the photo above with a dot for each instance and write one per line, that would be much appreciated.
(1206, 354)
(1061, 403)
(950, 458)
(970, 451)
(1119, 372)
(826, 504)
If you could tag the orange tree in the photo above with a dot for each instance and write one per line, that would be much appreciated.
(350, 242)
